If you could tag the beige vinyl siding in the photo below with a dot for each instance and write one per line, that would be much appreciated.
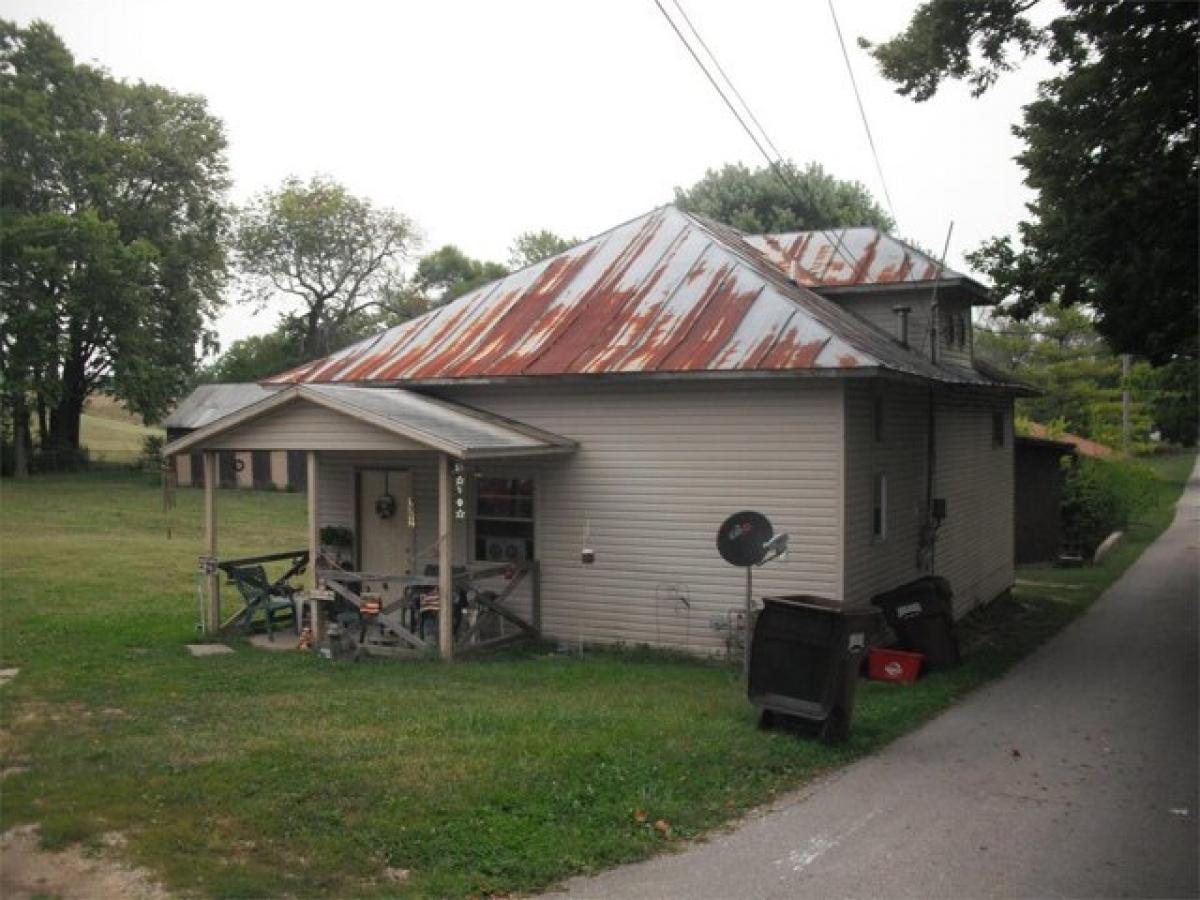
(183, 469)
(279, 472)
(975, 544)
(876, 308)
(657, 470)
(875, 565)
(301, 425)
(974, 547)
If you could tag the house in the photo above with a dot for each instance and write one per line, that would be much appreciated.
(275, 469)
(627, 395)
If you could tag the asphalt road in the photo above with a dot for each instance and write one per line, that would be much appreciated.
(1100, 802)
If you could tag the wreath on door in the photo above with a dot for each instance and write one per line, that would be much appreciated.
(385, 503)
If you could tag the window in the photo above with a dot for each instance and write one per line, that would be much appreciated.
(504, 519)
(877, 415)
(879, 507)
(998, 429)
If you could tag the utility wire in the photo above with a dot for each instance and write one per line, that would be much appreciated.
(862, 111)
(771, 161)
(728, 81)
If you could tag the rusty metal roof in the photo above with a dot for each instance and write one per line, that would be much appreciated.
(867, 257)
(666, 293)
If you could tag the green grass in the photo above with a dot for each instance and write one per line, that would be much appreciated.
(111, 433)
(259, 774)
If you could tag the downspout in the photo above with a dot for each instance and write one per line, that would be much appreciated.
(927, 552)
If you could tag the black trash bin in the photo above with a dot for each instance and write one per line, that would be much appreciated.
(805, 655)
(922, 615)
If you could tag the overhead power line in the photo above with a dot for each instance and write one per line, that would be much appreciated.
(862, 111)
(728, 81)
(771, 161)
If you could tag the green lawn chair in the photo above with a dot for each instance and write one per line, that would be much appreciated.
(261, 596)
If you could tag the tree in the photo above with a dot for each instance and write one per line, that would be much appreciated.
(257, 357)
(111, 219)
(339, 254)
(756, 201)
(531, 247)
(448, 272)
(1057, 350)
(1110, 149)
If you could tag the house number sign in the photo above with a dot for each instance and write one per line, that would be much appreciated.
(460, 484)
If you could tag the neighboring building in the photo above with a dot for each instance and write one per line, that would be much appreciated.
(1082, 445)
(630, 393)
(1038, 485)
(275, 469)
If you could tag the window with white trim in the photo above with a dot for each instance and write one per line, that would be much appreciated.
(503, 519)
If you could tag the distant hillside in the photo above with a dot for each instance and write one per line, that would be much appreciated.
(112, 433)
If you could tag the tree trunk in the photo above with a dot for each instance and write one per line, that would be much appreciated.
(64, 418)
(20, 437)
(43, 422)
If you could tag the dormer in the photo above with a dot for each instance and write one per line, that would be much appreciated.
(889, 283)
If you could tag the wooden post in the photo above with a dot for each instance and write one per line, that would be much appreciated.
(314, 545)
(445, 558)
(213, 623)
(535, 594)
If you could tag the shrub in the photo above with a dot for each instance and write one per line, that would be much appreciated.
(152, 455)
(1101, 496)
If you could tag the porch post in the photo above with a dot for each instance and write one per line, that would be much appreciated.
(314, 547)
(445, 559)
(213, 618)
(314, 531)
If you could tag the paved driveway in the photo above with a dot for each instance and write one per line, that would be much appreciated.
(1074, 775)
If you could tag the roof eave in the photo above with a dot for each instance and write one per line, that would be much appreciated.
(980, 295)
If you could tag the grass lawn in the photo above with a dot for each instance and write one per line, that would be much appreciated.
(259, 773)
(111, 433)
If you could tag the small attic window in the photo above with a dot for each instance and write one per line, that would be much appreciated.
(879, 507)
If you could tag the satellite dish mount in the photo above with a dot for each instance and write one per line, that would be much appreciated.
(747, 539)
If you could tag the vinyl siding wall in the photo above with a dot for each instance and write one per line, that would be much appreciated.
(974, 548)
(301, 425)
(658, 468)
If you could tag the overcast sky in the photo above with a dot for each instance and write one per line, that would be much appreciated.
(481, 120)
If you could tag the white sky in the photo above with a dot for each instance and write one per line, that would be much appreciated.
(481, 120)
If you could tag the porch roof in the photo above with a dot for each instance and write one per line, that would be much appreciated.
(438, 424)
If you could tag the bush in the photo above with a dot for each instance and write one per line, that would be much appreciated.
(1100, 496)
(152, 455)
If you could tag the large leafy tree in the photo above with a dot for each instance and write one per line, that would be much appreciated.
(757, 201)
(1110, 150)
(339, 255)
(111, 222)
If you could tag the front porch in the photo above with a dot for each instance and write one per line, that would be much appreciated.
(387, 525)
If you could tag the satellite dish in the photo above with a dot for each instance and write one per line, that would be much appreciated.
(742, 538)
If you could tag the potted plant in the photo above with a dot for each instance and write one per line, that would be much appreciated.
(336, 543)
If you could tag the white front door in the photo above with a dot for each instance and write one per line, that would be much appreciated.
(386, 534)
